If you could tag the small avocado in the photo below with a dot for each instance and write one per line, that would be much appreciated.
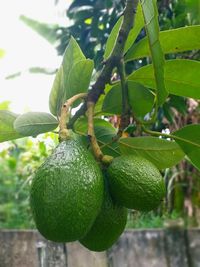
(67, 193)
(135, 183)
(108, 225)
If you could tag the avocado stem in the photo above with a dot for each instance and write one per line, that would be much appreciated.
(105, 159)
(64, 117)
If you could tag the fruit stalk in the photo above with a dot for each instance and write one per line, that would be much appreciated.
(105, 159)
(95, 147)
(64, 117)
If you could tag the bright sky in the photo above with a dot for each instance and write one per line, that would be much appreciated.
(24, 49)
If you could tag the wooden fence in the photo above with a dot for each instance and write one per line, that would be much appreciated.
(135, 248)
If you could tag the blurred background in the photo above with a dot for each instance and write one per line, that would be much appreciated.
(34, 35)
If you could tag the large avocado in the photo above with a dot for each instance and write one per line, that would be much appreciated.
(108, 225)
(67, 193)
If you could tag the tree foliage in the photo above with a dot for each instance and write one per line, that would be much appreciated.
(147, 81)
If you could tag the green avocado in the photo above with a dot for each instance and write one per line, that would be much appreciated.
(135, 182)
(107, 227)
(67, 193)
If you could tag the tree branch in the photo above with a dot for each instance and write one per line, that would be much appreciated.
(112, 61)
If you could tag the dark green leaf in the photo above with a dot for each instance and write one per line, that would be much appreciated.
(190, 142)
(79, 78)
(161, 152)
(7, 131)
(150, 13)
(182, 77)
(140, 98)
(34, 123)
(104, 133)
(172, 41)
(112, 38)
(138, 25)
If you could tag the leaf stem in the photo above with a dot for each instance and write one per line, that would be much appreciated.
(125, 116)
(154, 133)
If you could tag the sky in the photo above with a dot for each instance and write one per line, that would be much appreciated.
(24, 49)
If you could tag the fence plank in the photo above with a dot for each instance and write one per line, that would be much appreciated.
(140, 248)
(78, 256)
(193, 243)
(17, 249)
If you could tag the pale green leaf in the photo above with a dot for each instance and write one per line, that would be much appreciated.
(56, 94)
(182, 77)
(7, 131)
(172, 41)
(141, 100)
(2, 53)
(34, 123)
(79, 78)
(189, 141)
(163, 153)
(150, 14)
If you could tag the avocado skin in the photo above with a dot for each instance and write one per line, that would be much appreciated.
(107, 227)
(135, 183)
(67, 193)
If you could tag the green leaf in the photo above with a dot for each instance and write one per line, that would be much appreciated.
(72, 55)
(7, 131)
(104, 133)
(79, 78)
(163, 153)
(59, 92)
(172, 41)
(182, 77)
(150, 14)
(190, 142)
(99, 104)
(138, 25)
(140, 98)
(56, 94)
(34, 123)
(47, 31)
